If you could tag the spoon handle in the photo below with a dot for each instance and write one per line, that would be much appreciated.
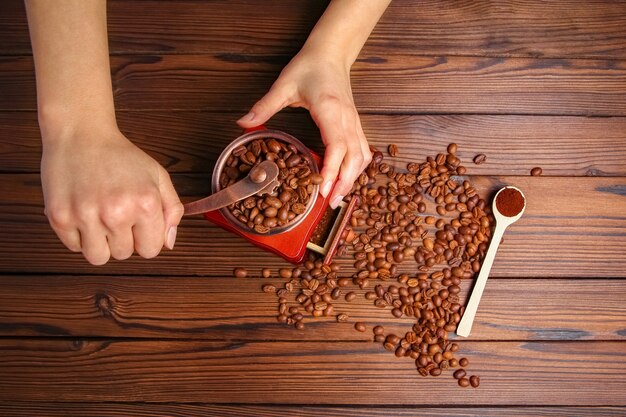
(465, 326)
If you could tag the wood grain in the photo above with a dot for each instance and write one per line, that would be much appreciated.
(192, 141)
(512, 373)
(393, 84)
(198, 410)
(507, 28)
(237, 309)
(572, 227)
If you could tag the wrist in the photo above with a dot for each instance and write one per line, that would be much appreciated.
(63, 122)
(328, 55)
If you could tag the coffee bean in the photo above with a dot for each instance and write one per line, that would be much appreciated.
(480, 158)
(435, 372)
(360, 326)
(463, 362)
(536, 171)
(316, 179)
(269, 288)
(342, 317)
(474, 381)
(240, 272)
(350, 296)
(459, 373)
(378, 330)
(452, 148)
(393, 150)
(464, 382)
(285, 272)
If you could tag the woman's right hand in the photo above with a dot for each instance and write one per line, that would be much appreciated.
(105, 197)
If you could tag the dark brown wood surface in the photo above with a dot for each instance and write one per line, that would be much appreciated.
(397, 83)
(220, 309)
(69, 409)
(528, 83)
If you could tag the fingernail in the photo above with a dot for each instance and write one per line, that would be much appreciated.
(247, 118)
(326, 188)
(171, 238)
(336, 201)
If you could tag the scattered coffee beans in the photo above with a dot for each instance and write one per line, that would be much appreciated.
(289, 201)
(415, 236)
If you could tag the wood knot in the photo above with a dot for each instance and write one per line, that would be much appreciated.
(78, 344)
(104, 304)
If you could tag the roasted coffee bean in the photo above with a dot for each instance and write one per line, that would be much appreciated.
(240, 272)
(285, 272)
(269, 288)
(350, 296)
(360, 326)
(474, 381)
(342, 317)
(266, 272)
(459, 373)
(393, 150)
(536, 171)
(480, 158)
(378, 330)
(464, 382)
(463, 362)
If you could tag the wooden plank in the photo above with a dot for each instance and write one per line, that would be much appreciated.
(192, 141)
(51, 409)
(572, 227)
(512, 373)
(393, 84)
(236, 309)
(508, 28)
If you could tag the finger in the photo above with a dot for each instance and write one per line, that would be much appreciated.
(172, 208)
(329, 122)
(93, 242)
(70, 238)
(63, 225)
(353, 161)
(274, 101)
(365, 147)
(148, 229)
(350, 170)
(121, 243)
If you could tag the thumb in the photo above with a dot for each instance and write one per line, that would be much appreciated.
(172, 208)
(271, 103)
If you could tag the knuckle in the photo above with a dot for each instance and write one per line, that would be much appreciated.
(329, 101)
(115, 212)
(60, 217)
(358, 159)
(148, 204)
(367, 157)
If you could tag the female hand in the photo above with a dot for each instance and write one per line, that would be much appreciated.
(106, 198)
(321, 85)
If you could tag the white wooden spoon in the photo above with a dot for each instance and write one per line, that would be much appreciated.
(508, 206)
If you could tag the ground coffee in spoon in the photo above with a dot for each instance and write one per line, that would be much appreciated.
(510, 202)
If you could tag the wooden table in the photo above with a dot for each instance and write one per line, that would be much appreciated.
(528, 83)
